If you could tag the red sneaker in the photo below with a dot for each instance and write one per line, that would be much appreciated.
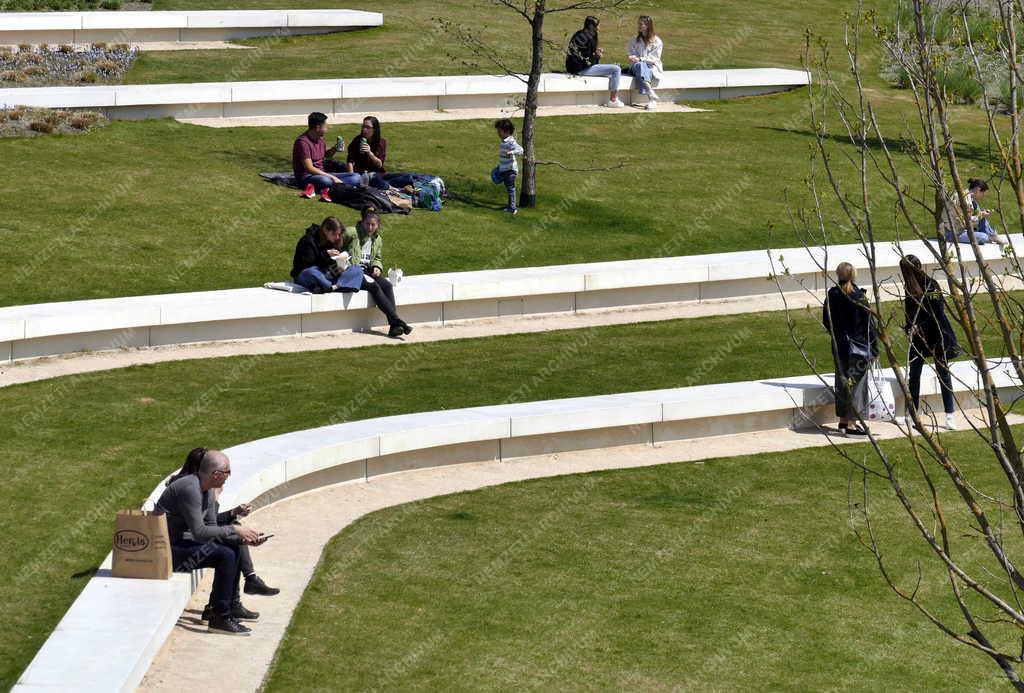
(325, 195)
(309, 193)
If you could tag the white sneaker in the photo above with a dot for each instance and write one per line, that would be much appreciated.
(651, 106)
(615, 103)
(651, 94)
(951, 422)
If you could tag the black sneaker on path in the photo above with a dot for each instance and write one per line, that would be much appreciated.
(237, 612)
(227, 625)
(255, 585)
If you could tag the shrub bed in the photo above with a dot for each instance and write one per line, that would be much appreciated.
(64, 65)
(30, 122)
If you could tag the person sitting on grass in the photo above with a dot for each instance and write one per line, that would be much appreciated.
(314, 266)
(644, 55)
(196, 544)
(308, 155)
(583, 58)
(365, 246)
(507, 169)
(254, 584)
(367, 152)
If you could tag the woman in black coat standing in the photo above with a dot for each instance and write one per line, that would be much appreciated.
(930, 333)
(846, 315)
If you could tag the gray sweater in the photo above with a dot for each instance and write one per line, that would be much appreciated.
(188, 509)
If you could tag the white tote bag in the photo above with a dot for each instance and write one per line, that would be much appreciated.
(881, 404)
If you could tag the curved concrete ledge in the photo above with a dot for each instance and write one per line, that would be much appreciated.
(337, 97)
(51, 329)
(111, 633)
(142, 28)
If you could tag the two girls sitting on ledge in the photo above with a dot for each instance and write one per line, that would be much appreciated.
(583, 57)
(329, 257)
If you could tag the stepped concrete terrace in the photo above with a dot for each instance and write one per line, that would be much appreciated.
(143, 29)
(457, 298)
(210, 101)
(108, 638)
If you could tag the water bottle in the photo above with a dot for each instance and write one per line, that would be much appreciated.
(340, 145)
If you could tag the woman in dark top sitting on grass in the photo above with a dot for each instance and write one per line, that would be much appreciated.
(930, 334)
(367, 152)
(846, 315)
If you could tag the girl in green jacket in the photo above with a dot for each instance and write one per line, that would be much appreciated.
(365, 247)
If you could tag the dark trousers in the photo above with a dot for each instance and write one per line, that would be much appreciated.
(850, 386)
(383, 295)
(945, 381)
(223, 558)
(245, 561)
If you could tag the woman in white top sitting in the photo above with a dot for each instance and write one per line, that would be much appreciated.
(644, 55)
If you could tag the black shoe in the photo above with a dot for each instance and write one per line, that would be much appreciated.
(240, 613)
(853, 431)
(237, 611)
(396, 331)
(406, 328)
(227, 625)
(255, 585)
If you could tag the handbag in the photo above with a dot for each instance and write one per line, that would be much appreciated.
(881, 403)
(859, 350)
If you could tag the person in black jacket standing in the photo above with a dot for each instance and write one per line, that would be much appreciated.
(846, 314)
(583, 58)
(930, 333)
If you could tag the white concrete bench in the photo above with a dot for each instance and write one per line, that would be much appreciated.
(337, 97)
(112, 631)
(211, 316)
(143, 28)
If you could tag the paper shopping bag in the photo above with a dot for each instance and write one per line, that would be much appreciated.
(142, 546)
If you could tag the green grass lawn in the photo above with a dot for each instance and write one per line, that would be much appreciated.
(79, 448)
(748, 34)
(157, 207)
(736, 574)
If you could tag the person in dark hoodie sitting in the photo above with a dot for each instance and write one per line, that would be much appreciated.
(314, 267)
(846, 314)
(583, 58)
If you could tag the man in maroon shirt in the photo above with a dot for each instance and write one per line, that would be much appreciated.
(308, 155)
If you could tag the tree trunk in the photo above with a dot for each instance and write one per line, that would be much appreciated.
(528, 191)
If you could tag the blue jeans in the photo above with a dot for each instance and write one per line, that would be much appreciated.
(223, 558)
(319, 182)
(400, 180)
(509, 179)
(349, 178)
(612, 72)
(314, 278)
(979, 235)
(642, 73)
